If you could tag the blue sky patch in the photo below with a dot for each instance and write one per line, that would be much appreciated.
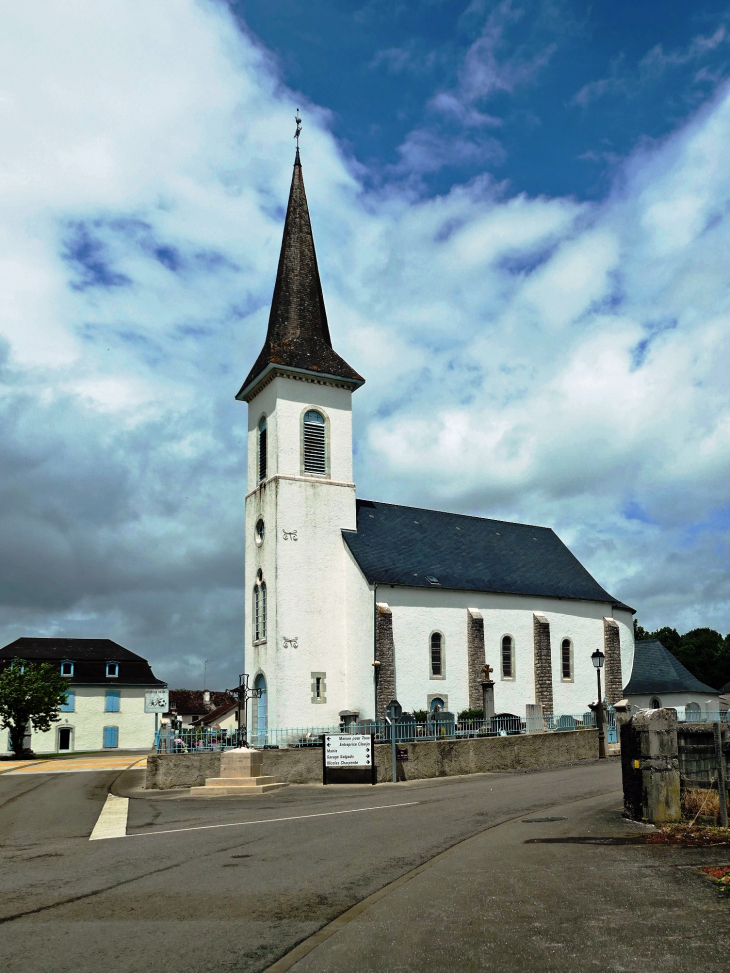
(549, 94)
(87, 255)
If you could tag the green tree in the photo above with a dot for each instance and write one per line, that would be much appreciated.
(32, 693)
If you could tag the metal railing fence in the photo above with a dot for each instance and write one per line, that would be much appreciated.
(440, 727)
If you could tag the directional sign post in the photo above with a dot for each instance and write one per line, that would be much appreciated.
(347, 751)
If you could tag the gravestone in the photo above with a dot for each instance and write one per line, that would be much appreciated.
(534, 718)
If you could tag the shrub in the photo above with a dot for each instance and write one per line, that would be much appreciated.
(471, 714)
(696, 801)
(420, 715)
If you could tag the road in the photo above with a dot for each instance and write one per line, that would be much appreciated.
(234, 884)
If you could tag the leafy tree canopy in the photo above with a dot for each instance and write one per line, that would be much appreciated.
(30, 693)
(703, 651)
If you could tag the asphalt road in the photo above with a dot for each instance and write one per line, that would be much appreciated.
(234, 884)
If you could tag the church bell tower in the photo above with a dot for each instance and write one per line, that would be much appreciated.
(299, 497)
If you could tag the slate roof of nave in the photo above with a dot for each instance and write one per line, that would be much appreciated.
(655, 670)
(407, 545)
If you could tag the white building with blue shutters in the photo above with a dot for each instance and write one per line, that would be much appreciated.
(104, 708)
(354, 602)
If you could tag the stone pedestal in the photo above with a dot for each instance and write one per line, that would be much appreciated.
(240, 777)
(488, 698)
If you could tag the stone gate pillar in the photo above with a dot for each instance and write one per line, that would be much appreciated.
(650, 766)
(543, 662)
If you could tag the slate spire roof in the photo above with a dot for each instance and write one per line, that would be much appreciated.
(298, 335)
(656, 670)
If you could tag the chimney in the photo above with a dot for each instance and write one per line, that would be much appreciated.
(206, 700)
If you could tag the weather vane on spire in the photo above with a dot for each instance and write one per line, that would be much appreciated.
(298, 120)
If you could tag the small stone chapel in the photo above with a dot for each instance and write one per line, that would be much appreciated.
(355, 602)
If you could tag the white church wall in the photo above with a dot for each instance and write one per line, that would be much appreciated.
(417, 612)
(708, 703)
(359, 645)
(311, 571)
(302, 557)
(283, 401)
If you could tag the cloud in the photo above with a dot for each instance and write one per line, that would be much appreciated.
(651, 68)
(455, 118)
(533, 358)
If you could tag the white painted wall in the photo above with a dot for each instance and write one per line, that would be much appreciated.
(136, 728)
(306, 577)
(707, 703)
(417, 612)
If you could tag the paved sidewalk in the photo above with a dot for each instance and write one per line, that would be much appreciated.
(71, 765)
(507, 900)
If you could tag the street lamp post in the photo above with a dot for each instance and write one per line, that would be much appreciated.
(598, 658)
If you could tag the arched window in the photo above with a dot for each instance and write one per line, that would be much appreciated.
(437, 655)
(508, 657)
(655, 703)
(566, 660)
(259, 611)
(314, 433)
(693, 713)
(263, 609)
(262, 448)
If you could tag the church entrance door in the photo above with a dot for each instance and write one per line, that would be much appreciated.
(260, 724)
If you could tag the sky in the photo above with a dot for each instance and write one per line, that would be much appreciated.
(521, 219)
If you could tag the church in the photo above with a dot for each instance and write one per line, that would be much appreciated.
(354, 602)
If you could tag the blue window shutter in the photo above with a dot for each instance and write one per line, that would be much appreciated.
(68, 706)
(112, 700)
(111, 736)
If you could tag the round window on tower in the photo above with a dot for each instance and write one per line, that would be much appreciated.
(259, 532)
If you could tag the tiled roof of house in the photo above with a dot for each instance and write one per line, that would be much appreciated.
(298, 335)
(190, 702)
(655, 670)
(89, 657)
(409, 546)
(218, 713)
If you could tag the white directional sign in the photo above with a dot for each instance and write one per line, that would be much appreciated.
(157, 701)
(348, 750)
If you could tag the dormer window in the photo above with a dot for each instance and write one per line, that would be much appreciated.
(67, 668)
(262, 448)
(112, 670)
(314, 438)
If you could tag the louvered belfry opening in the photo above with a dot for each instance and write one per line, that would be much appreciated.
(315, 443)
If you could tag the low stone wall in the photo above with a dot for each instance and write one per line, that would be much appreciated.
(427, 758)
(167, 770)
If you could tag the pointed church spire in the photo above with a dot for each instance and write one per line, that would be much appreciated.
(298, 336)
